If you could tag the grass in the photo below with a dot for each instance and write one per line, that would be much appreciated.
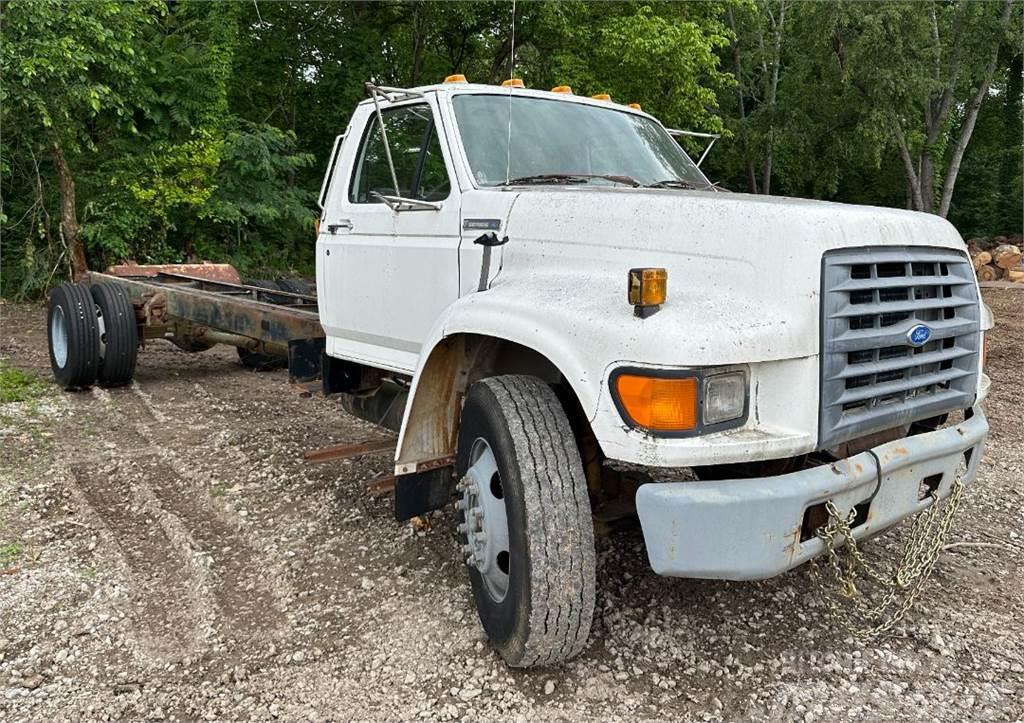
(19, 386)
(10, 552)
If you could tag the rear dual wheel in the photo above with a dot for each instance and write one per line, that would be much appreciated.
(92, 335)
(525, 521)
(74, 336)
(119, 334)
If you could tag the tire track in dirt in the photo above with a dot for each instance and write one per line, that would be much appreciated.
(196, 556)
(248, 603)
(243, 599)
(165, 610)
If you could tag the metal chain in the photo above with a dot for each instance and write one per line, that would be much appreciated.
(850, 606)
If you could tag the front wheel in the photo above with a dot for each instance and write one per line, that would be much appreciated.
(525, 522)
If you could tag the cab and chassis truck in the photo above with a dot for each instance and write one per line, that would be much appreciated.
(557, 312)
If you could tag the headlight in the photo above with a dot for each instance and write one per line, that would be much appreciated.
(725, 397)
(680, 403)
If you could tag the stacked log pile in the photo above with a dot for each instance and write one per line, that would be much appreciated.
(997, 259)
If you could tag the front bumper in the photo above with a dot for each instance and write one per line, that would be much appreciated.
(750, 529)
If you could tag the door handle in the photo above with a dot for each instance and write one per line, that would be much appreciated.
(342, 223)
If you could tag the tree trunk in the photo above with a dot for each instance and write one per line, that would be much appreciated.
(926, 180)
(1009, 199)
(741, 106)
(908, 169)
(68, 214)
(421, 19)
(766, 183)
(971, 117)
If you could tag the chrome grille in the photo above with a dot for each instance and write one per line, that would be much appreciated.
(873, 377)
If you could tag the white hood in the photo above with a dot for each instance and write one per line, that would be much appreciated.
(744, 271)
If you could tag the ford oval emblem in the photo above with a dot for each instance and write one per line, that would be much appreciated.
(919, 335)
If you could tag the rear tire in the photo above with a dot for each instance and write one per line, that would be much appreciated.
(295, 286)
(541, 611)
(73, 335)
(119, 338)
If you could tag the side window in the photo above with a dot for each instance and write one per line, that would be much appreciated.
(415, 151)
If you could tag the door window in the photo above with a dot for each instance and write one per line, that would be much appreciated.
(415, 151)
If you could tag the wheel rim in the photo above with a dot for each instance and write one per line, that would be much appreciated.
(485, 522)
(101, 327)
(59, 337)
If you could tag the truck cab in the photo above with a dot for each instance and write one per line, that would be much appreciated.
(560, 314)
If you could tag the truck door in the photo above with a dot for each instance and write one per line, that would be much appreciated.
(392, 273)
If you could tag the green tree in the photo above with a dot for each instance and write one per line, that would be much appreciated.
(71, 81)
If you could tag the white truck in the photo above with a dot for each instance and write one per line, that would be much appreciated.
(557, 312)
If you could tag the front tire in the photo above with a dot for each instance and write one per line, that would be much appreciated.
(73, 336)
(522, 485)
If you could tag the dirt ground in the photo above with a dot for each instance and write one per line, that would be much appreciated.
(166, 554)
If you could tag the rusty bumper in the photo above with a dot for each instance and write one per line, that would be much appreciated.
(751, 529)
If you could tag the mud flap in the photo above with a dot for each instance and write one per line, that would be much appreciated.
(422, 492)
(304, 357)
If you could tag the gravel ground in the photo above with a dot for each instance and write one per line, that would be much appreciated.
(166, 554)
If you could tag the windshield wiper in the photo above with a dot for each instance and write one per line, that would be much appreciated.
(675, 183)
(570, 178)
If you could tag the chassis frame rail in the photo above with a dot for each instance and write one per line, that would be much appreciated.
(203, 310)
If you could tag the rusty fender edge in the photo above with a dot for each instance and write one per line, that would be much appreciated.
(750, 529)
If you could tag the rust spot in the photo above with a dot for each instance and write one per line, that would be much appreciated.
(900, 452)
(793, 544)
(212, 272)
(349, 450)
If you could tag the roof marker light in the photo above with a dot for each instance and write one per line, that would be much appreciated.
(601, 96)
(456, 78)
(562, 89)
(635, 106)
(512, 83)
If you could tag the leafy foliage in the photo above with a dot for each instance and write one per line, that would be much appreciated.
(189, 130)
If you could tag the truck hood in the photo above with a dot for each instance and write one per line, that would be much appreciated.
(744, 271)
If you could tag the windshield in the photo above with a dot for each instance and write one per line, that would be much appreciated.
(554, 137)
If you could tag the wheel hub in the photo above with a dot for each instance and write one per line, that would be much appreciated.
(485, 521)
(59, 337)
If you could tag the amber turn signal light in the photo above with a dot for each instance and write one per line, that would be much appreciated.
(658, 404)
(647, 289)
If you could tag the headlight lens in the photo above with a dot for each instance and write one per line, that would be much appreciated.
(725, 397)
